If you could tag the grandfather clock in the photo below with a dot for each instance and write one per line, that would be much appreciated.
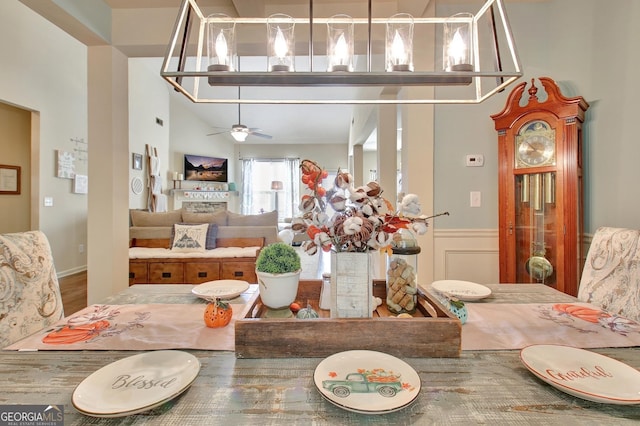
(540, 187)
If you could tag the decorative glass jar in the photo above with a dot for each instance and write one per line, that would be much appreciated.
(402, 274)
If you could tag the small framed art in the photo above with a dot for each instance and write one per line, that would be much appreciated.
(9, 179)
(81, 184)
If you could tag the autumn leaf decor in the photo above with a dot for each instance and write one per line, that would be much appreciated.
(363, 219)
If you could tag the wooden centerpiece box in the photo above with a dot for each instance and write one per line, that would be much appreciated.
(433, 331)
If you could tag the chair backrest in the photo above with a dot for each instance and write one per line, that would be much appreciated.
(611, 275)
(29, 289)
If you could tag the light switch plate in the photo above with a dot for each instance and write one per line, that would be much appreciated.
(475, 199)
(48, 201)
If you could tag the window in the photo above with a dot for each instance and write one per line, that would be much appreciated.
(257, 195)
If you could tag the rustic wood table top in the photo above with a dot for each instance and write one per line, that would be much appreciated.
(480, 387)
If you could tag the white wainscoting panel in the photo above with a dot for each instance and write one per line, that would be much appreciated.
(472, 255)
(466, 254)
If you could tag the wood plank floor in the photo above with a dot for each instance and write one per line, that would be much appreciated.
(74, 292)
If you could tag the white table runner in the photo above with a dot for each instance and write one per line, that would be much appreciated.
(514, 326)
(135, 327)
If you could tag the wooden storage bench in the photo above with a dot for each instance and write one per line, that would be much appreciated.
(193, 270)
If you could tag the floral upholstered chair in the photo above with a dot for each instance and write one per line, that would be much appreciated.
(29, 292)
(611, 274)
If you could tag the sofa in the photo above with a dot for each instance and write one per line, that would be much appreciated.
(181, 247)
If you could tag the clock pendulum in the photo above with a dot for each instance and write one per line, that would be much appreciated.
(537, 265)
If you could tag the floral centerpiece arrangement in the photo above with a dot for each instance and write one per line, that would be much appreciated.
(363, 219)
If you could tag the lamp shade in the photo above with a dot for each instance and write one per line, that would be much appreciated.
(277, 185)
(281, 42)
(340, 43)
(399, 43)
(457, 42)
(221, 42)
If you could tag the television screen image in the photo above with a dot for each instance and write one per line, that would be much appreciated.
(209, 169)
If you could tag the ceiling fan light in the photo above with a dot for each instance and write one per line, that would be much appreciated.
(239, 136)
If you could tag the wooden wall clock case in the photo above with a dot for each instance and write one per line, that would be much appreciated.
(540, 189)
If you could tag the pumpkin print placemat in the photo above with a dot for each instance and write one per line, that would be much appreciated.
(515, 326)
(135, 327)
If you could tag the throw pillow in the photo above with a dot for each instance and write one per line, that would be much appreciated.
(143, 218)
(189, 238)
(219, 218)
(212, 234)
(265, 219)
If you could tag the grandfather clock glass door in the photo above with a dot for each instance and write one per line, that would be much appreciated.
(534, 228)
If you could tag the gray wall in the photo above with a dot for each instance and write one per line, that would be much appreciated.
(588, 47)
(44, 71)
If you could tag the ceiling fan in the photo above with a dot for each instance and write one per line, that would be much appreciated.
(239, 131)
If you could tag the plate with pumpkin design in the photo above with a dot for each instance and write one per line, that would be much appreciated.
(367, 382)
(220, 289)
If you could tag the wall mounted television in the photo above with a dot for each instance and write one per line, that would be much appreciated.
(208, 169)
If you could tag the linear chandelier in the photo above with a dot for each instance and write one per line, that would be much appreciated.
(478, 60)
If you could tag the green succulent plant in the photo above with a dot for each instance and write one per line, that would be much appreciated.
(278, 258)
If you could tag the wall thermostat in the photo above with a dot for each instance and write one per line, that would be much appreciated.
(475, 160)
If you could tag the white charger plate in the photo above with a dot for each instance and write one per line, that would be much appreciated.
(463, 290)
(135, 384)
(222, 289)
(380, 397)
(584, 374)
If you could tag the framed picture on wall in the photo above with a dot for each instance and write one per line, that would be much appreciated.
(137, 161)
(9, 179)
(66, 165)
(81, 184)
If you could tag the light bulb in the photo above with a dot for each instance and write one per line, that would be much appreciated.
(341, 51)
(398, 52)
(221, 48)
(280, 45)
(457, 49)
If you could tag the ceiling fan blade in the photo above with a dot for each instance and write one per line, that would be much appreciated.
(261, 135)
(217, 133)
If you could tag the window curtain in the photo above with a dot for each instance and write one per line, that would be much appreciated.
(292, 186)
(247, 185)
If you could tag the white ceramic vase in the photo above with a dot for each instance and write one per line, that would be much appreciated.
(278, 291)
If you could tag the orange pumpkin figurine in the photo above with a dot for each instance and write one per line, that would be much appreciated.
(218, 314)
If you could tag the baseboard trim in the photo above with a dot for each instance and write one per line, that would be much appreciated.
(62, 274)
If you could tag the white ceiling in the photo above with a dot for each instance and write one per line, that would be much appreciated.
(288, 124)
(142, 28)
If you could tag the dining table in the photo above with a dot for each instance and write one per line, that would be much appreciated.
(479, 387)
